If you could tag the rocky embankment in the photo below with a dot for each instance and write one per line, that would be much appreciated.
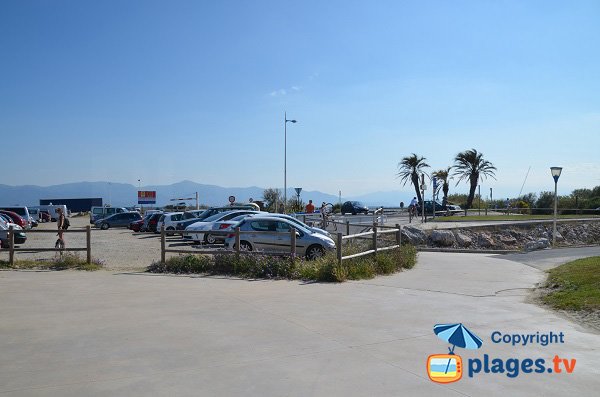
(522, 236)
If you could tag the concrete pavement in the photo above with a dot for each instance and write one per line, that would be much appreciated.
(107, 334)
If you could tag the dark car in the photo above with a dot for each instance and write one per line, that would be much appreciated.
(439, 208)
(122, 219)
(45, 216)
(354, 207)
(138, 226)
(151, 222)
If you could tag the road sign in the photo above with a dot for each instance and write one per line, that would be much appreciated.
(232, 199)
(298, 190)
(146, 197)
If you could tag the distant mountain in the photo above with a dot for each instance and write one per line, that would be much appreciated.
(121, 194)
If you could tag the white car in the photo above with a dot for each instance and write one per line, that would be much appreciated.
(19, 236)
(169, 220)
(298, 222)
(207, 225)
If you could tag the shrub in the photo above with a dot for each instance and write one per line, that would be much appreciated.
(324, 269)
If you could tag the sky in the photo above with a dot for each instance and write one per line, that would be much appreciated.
(164, 91)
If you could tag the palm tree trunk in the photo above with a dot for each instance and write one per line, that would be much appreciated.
(415, 181)
(474, 180)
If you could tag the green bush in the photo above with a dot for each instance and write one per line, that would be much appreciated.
(325, 268)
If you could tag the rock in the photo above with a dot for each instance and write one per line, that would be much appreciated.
(537, 245)
(463, 240)
(444, 238)
(485, 240)
(413, 235)
(508, 240)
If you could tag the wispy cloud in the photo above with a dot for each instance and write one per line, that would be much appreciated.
(285, 91)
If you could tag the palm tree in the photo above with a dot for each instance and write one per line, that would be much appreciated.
(470, 165)
(443, 177)
(409, 169)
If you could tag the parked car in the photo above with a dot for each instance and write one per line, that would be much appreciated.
(440, 209)
(212, 211)
(312, 245)
(19, 236)
(151, 222)
(169, 220)
(97, 213)
(16, 219)
(354, 207)
(23, 212)
(45, 216)
(299, 222)
(122, 219)
(207, 225)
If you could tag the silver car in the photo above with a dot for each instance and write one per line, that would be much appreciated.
(207, 225)
(299, 223)
(308, 243)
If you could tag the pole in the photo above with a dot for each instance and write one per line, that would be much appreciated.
(11, 245)
(88, 243)
(555, 212)
(375, 237)
(433, 199)
(339, 248)
(140, 188)
(479, 192)
(293, 242)
(284, 160)
(162, 245)
(197, 204)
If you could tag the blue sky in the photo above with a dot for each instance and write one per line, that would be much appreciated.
(165, 91)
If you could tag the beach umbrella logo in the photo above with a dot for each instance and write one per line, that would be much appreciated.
(446, 368)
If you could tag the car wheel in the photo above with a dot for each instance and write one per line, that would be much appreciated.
(104, 226)
(210, 239)
(245, 246)
(314, 252)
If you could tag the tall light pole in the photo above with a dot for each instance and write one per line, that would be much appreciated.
(140, 188)
(555, 174)
(285, 158)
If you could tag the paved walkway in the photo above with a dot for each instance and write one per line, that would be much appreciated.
(106, 334)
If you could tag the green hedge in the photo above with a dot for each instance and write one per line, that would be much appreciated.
(261, 266)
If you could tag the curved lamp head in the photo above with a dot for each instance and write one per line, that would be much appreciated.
(290, 121)
(555, 173)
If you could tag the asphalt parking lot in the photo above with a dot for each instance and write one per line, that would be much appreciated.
(116, 333)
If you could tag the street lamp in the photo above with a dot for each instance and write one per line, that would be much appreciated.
(555, 174)
(285, 158)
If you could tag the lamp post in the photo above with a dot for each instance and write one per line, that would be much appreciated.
(285, 158)
(555, 174)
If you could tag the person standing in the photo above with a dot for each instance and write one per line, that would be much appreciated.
(60, 224)
(310, 207)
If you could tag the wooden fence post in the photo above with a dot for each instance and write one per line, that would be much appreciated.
(88, 241)
(293, 242)
(339, 247)
(237, 240)
(11, 246)
(375, 237)
(162, 245)
(398, 235)
(347, 227)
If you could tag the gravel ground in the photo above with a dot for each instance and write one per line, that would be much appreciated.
(119, 248)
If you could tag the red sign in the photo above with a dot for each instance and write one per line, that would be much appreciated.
(146, 197)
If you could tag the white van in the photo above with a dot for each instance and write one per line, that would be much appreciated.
(102, 212)
(51, 209)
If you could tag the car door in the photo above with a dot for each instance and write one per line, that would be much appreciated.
(266, 238)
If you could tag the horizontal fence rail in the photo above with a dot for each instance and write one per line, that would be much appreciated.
(12, 249)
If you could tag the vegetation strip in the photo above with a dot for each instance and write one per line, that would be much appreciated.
(325, 268)
(66, 262)
(574, 285)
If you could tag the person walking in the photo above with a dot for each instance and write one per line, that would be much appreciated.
(60, 224)
(310, 207)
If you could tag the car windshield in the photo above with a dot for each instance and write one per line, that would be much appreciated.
(215, 217)
(358, 204)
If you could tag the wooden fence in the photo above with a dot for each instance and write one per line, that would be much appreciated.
(376, 232)
(12, 249)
